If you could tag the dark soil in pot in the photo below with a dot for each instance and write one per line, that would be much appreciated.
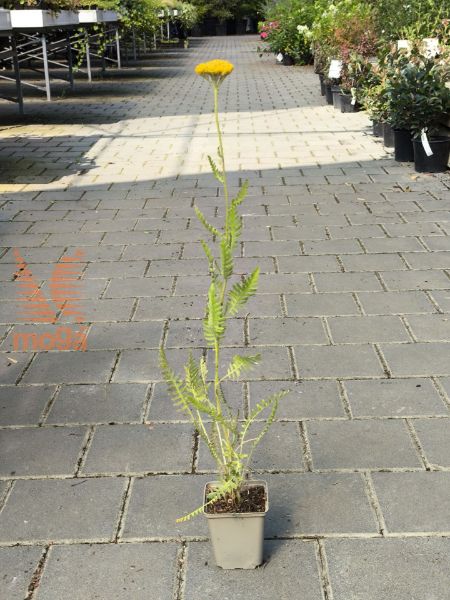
(252, 500)
(328, 93)
(403, 146)
(438, 162)
(377, 129)
(388, 135)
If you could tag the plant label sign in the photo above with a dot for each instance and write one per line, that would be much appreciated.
(404, 45)
(335, 69)
(431, 47)
(425, 143)
(279, 57)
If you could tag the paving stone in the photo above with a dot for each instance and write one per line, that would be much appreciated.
(308, 264)
(121, 269)
(442, 298)
(284, 283)
(305, 399)
(40, 451)
(263, 305)
(422, 360)
(125, 335)
(101, 403)
(278, 248)
(373, 262)
(434, 435)
(388, 568)
(346, 282)
(12, 366)
(17, 567)
(52, 510)
(297, 557)
(23, 405)
(280, 449)
(429, 260)
(287, 331)
(381, 445)
(414, 502)
(156, 503)
(357, 360)
(367, 329)
(138, 449)
(70, 367)
(394, 398)
(415, 280)
(321, 305)
(405, 244)
(139, 571)
(430, 328)
(151, 251)
(161, 308)
(189, 333)
(316, 504)
(137, 287)
(385, 303)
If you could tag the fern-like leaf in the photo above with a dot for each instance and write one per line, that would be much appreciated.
(201, 217)
(241, 363)
(241, 292)
(225, 487)
(227, 258)
(214, 323)
(241, 195)
(214, 168)
(234, 227)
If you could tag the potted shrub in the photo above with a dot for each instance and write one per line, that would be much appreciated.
(234, 505)
(418, 99)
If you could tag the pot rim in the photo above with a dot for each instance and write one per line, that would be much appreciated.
(437, 139)
(249, 483)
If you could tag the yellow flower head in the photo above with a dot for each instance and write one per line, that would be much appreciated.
(214, 70)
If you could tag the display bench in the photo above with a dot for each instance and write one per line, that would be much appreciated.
(41, 40)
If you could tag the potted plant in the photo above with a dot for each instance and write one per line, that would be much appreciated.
(234, 505)
(418, 99)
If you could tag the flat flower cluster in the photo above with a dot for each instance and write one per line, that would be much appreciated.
(215, 70)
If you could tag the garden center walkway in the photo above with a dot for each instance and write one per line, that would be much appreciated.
(352, 315)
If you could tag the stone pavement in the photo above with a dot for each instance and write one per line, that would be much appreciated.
(352, 315)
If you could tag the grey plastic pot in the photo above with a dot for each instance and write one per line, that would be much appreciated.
(238, 538)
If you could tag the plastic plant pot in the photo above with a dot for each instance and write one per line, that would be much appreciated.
(438, 162)
(403, 146)
(388, 135)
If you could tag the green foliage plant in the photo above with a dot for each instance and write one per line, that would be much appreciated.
(230, 437)
(417, 91)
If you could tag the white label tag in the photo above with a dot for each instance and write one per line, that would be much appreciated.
(279, 57)
(353, 102)
(406, 44)
(425, 143)
(335, 69)
(431, 47)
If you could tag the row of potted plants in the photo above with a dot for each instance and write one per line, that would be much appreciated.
(391, 58)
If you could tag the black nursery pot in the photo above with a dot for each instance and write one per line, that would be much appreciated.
(438, 162)
(377, 129)
(322, 84)
(388, 135)
(328, 93)
(403, 146)
(346, 104)
(336, 91)
(288, 61)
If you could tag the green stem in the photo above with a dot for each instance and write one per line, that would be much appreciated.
(221, 151)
